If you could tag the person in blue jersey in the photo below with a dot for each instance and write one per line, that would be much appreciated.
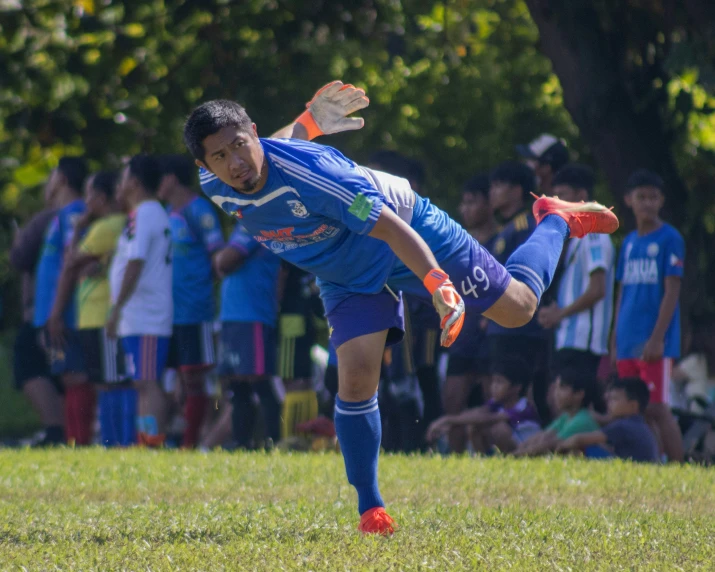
(196, 238)
(59, 337)
(582, 312)
(367, 235)
(468, 369)
(249, 319)
(511, 185)
(647, 332)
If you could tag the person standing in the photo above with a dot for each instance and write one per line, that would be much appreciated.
(140, 280)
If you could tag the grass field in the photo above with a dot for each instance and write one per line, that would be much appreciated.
(146, 510)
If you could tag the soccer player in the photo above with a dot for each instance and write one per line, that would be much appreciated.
(468, 369)
(366, 235)
(647, 333)
(196, 237)
(64, 351)
(249, 316)
(30, 366)
(140, 285)
(87, 261)
(584, 308)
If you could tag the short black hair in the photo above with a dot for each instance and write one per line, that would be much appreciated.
(515, 173)
(74, 170)
(477, 185)
(576, 176)
(579, 380)
(635, 390)
(181, 166)
(106, 182)
(147, 171)
(644, 178)
(209, 118)
(397, 164)
(514, 368)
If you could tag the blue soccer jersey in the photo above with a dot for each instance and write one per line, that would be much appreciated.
(250, 294)
(57, 237)
(316, 208)
(195, 236)
(643, 265)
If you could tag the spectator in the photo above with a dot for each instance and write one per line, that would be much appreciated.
(196, 238)
(627, 436)
(62, 344)
(575, 388)
(545, 155)
(695, 373)
(249, 313)
(95, 240)
(140, 284)
(647, 334)
(506, 420)
(468, 367)
(30, 366)
(510, 186)
(584, 308)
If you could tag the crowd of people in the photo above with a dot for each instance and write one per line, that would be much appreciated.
(123, 342)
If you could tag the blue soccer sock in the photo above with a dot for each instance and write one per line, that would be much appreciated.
(534, 262)
(359, 433)
(129, 398)
(109, 416)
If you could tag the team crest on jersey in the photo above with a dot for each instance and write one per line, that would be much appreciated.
(298, 209)
(207, 221)
(499, 246)
(653, 249)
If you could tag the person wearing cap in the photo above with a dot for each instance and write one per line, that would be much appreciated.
(545, 155)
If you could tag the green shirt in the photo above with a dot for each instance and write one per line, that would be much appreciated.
(566, 426)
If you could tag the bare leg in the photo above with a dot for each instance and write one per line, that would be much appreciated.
(659, 414)
(45, 400)
(515, 307)
(220, 431)
(455, 394)
(502, 438)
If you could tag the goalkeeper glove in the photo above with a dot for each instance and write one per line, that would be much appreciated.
(448, 303)
(328, 111)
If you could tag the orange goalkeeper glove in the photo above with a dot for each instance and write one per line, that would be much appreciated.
(448, 303)
(328, 111)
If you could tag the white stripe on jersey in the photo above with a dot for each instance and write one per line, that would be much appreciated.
(220, 199)
(589, 329)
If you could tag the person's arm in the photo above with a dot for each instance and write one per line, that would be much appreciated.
(655, 346)
(327, 113)
(552, 315)
(28, 242)
(616, 315)
(581, 441)
(130, 279)
(228, 260)
(539, 444)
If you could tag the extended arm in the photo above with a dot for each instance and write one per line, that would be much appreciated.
(581, 441)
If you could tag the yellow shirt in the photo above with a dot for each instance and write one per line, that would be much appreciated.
(93, 292)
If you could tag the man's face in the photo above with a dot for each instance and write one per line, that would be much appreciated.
(646, 203)
(503, 195)
(93, 199)
(52, 186)
(473, 209)
(168, 182)
(619, 405)
(235, 157)
(500, 387)
(568, 193)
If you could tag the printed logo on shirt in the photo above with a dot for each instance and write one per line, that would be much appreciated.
(361, 207)
(641, 271)
(207, 221)
(653, 249)
(283, 239)
(298, 209)
(675, 261)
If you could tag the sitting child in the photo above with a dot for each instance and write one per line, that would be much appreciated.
(573, 396)
(506, 420)
(627, 436)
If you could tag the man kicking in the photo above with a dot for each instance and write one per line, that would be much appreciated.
(367, 235)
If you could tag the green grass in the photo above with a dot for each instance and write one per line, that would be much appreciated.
(146, 510)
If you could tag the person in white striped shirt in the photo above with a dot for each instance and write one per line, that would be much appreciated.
(584, 309)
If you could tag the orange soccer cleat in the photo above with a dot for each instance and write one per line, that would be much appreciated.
(582, 218)
(377, 521)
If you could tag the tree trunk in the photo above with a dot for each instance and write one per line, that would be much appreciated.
(622, 136)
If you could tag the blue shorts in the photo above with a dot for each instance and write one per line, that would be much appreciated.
(247, 348)
(476, 274)
(145, 357)
(192, 347)
(69, 358)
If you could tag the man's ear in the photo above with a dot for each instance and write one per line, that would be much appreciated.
(255, 129)
(202, 165)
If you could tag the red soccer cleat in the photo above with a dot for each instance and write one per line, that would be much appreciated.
(377, 521)
(582, 218)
